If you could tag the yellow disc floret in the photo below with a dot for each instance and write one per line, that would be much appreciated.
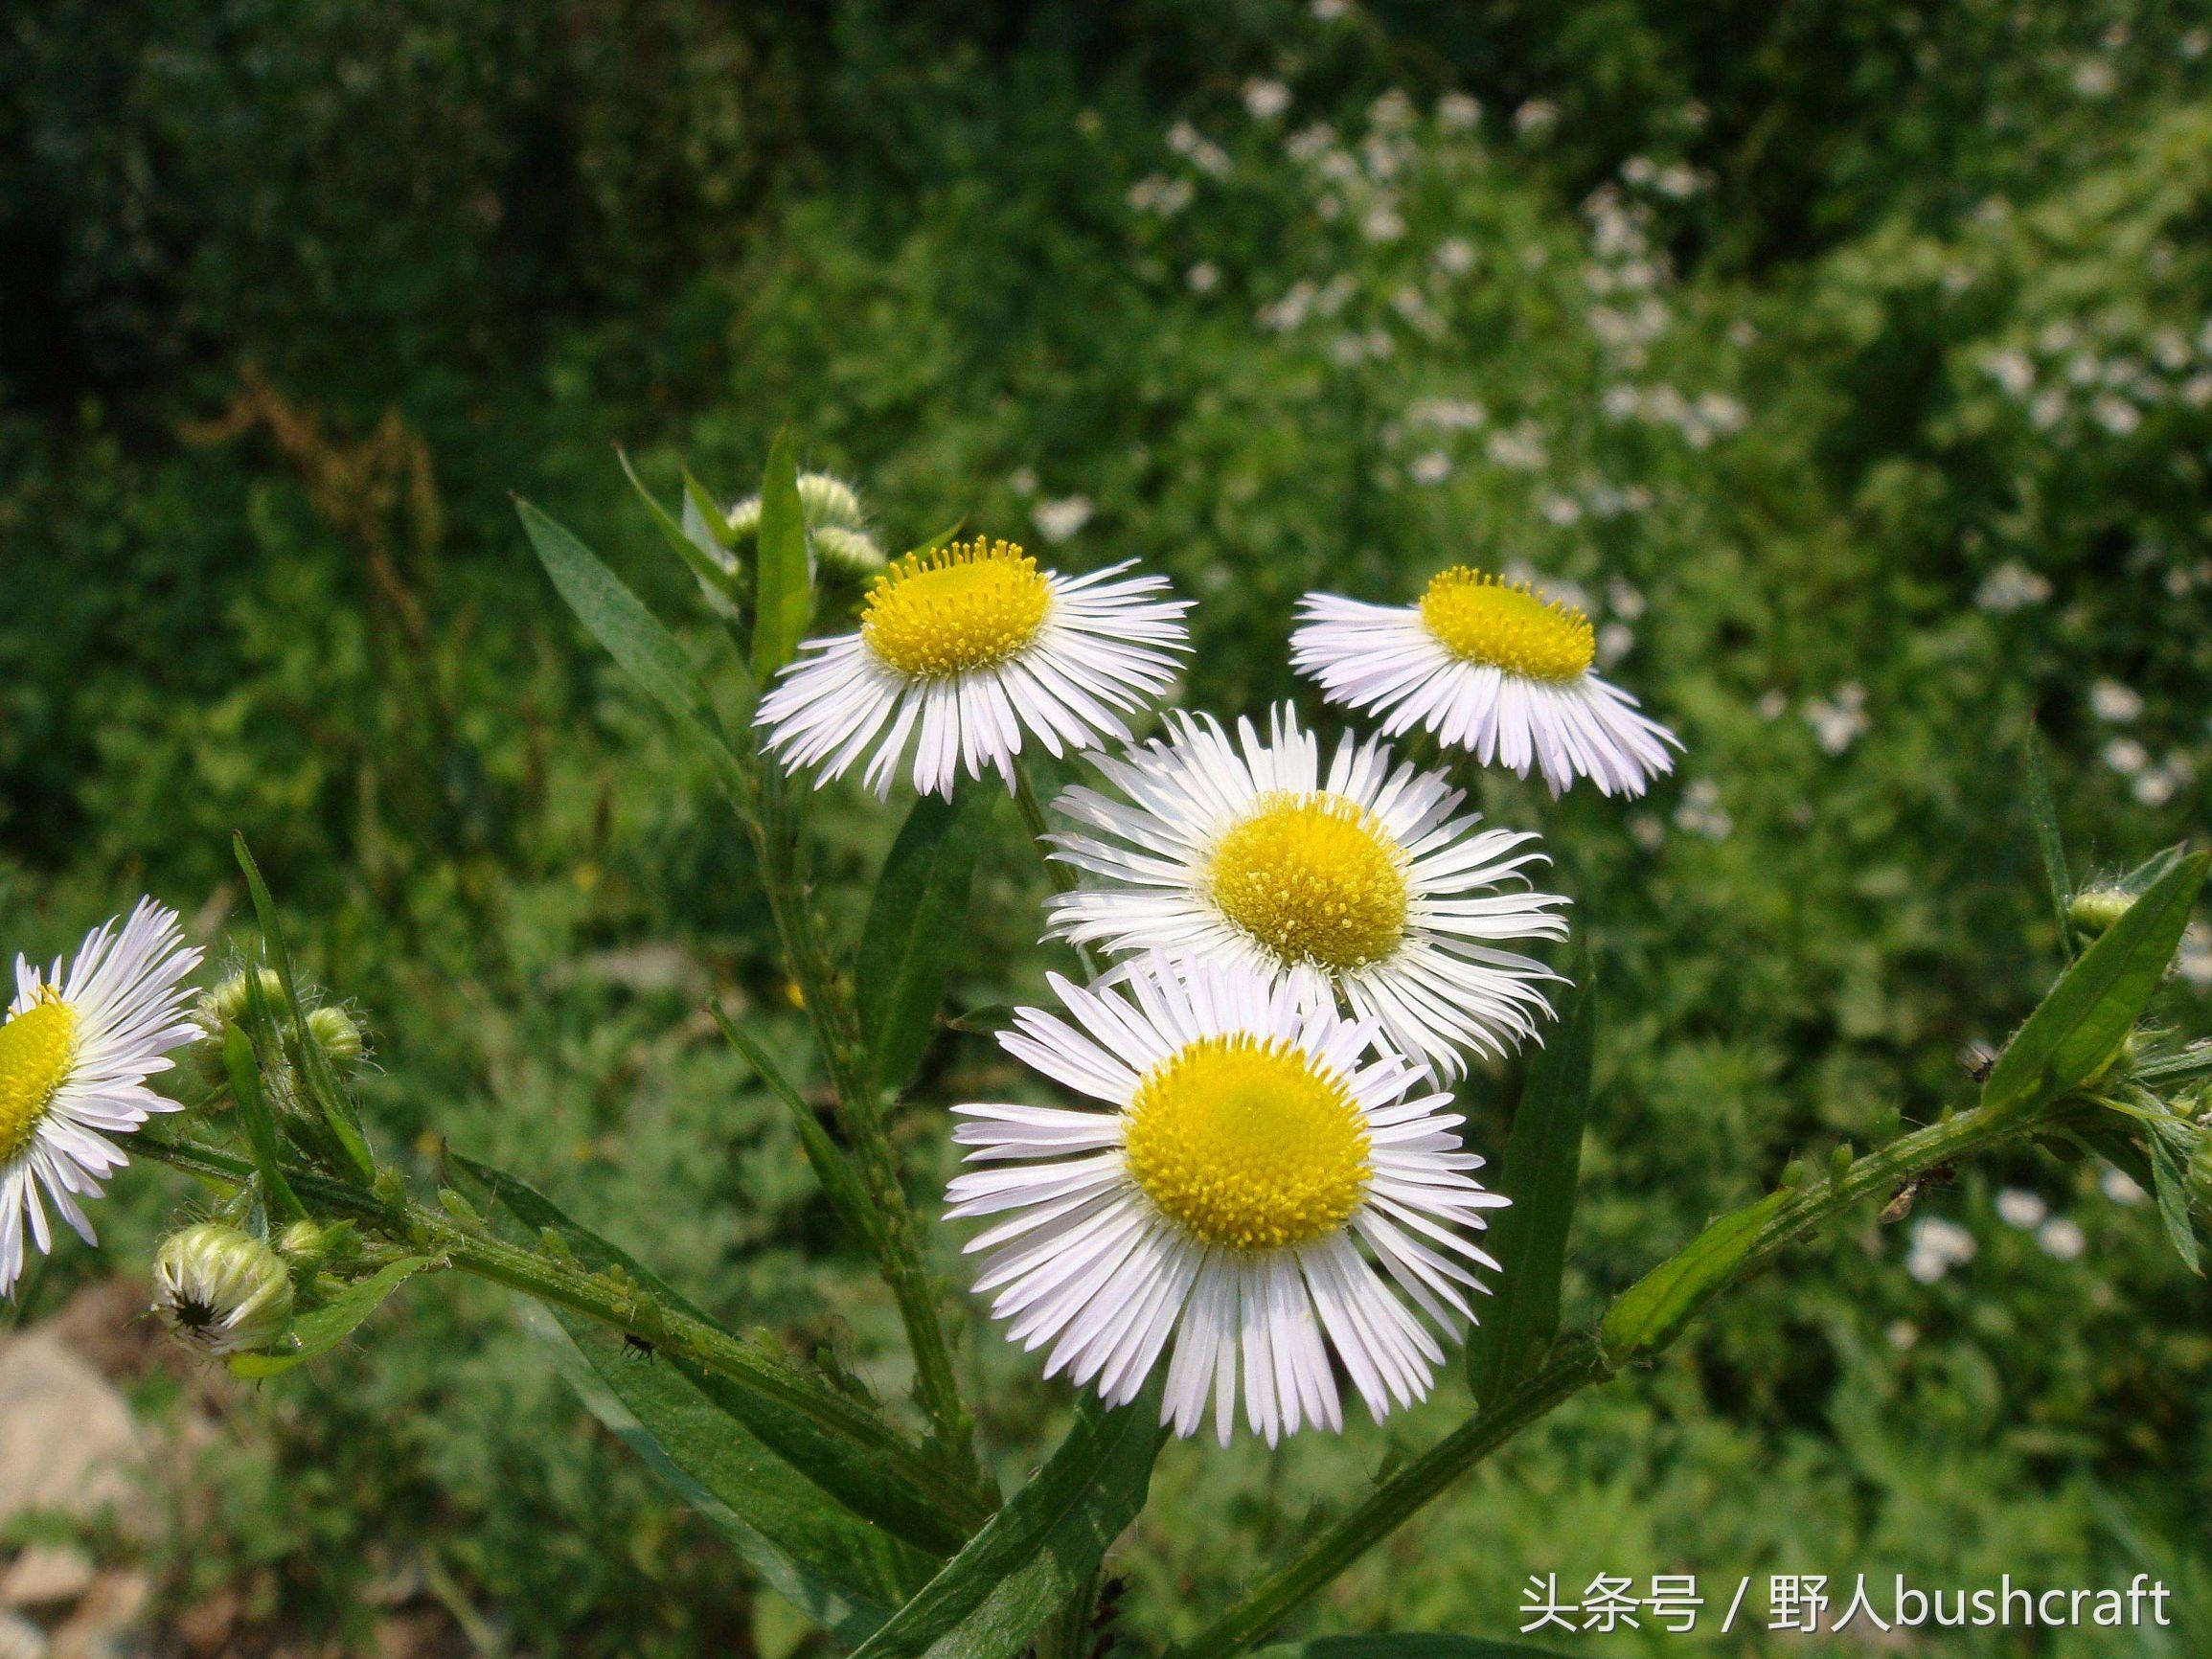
(970, 606)
(1480, 618)
(1247, 1143)
(1315, 878)
(36, 1050)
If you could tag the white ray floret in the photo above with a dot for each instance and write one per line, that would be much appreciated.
(1260, 1186)
(75, 1052)
(1489, 667)
(965, 653)
(1365, 883)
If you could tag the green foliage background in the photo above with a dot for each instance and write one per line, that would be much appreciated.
(1854, 361)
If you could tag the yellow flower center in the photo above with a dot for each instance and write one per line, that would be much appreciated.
(36, 1050)
(1247, 1144)
(1315, 879)
(969, 605)
(1480, 618)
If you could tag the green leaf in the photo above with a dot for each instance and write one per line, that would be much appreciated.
(712, 521)
(841, 1571)
(786, 598)
(308, 1060)
(1652, 1312)
(1543, 1163)
(2047, 839)
(319, 1331)
(1042, 1547)
(1412, 1644)
(617, 617)
(848, 1195)
(244, 1068)
(848, 1472)
(2172, 1185)
(915, 927)
(682, 541)
(2153, 870)
(2078, 1028)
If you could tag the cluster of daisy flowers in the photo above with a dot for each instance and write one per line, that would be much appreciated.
(1261, 1182)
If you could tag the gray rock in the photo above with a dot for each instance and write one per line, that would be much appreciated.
(67, 1441)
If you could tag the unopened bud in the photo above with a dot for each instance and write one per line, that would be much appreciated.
(853, 550)
(307, 1245)
(2094, 909)
(335, 1032)
(222, 1290)
(828, 501)
(231, 1000)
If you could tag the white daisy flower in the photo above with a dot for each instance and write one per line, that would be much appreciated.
(75, 1054)
(1251, 1146)
(1368, 884)
(964, 652)
(1489, 666)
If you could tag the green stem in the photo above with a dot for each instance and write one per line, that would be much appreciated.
(1063, 876)
(895, 1240)
(566, 1284)
(1576, 1363)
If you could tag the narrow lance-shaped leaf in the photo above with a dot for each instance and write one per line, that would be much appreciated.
(1042, 1547)
(243, 1067)
(2170, 1184)
(2078, 1028)
(323, 1088)
(915, 927)
(318, 1332)
(680, 538)
(786, 598)
(617, 617)
(2049, 842)
(847, 1472)
(1652, 1312)
(1543, 1163)
(841, 1572)
(841, 1182)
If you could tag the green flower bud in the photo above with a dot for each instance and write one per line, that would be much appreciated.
(855, 550)
(231, 1000)
(307, 1245)
(828, 501)
(222, 1290)
(2094, 909)
(337, 1035)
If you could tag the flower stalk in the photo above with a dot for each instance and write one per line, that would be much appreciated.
(1577, 1362)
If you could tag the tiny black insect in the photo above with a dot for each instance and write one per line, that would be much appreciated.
(636, 1346)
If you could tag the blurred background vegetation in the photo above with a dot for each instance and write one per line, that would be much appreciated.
(1851, 361)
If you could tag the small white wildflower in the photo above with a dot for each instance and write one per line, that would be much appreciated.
(1615, 640)
(1448, 414)
(2117, 415)
(2010, 587)
(1639, 169)
(1679, 181)
(1773, 705)
(1454, 256)
(1382, 223)
(1330, 11)
(1648, 831)
(1059, 519)
(2125, 757)
(1518, 448)
(1938, 1245)
(1536, 118)
(2115, 702)
(2062, 1239)
(2194, 964)
(1310, 143)
(1839, 721)
(1458, 111)
(1701, 813)
(1266, 98)
(1903, 1335)
(1203, 277)
(1433, 467)
(2120, 1186)
(1563, 511)
(2013, 370)
(2094, 77)
(2018, 1207)
(2048, 409)
(2155, 787)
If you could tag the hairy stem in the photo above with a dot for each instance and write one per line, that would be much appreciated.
(1576, 1362)
(896, 1243)
(567, 1285)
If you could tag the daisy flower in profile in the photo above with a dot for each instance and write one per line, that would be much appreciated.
(1366, 884)
(75, 1054)
(1492, 667)
(1264, 1188)
(964, 652)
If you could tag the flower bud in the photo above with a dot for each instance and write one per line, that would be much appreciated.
(231, 1000)
(335, 1032)
(828, 501)
(222, 1290)
(853, 550)
(305, 1245)
(2094, 909)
